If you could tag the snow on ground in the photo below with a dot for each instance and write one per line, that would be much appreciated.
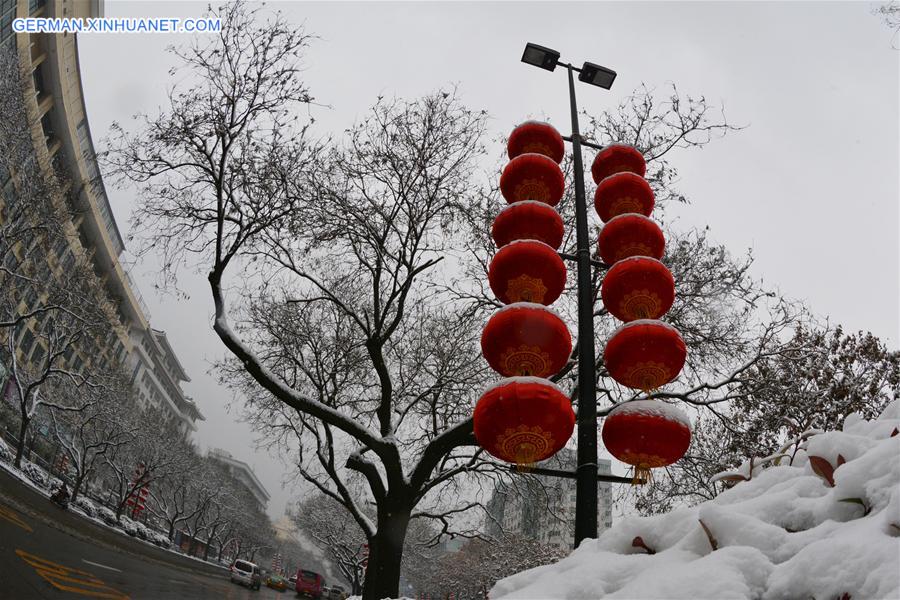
(822, 528)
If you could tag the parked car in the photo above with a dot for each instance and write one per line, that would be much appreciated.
(276, 582)
(309, 584)
(246, 573)
(337, 592)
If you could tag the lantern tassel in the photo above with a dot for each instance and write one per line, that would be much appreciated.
(642, 475)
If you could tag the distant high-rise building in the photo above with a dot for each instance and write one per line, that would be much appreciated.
(243, 474)
(544, 510)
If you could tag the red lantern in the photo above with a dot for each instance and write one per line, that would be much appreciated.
(528, 220)
(532, 177)
(536, 137)
(645, 354)
(646, 434)
(617, 158)
(527, 271)
(523, 420)
(526, 339)
(623, 193)
(629, 235)
(639, 287)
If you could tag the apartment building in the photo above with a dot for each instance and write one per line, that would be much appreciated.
(63, 146)
(544, 510)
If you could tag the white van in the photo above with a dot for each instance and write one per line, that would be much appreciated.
(246, 573)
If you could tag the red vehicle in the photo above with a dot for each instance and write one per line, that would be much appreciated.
(309, 584)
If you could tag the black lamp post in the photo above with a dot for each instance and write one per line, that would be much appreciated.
(586, 476)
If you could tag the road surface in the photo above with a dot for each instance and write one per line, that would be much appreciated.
(46, 552)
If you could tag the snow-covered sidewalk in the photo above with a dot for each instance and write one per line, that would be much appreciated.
(825, 527)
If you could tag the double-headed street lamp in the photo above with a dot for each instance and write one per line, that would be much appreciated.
(586, 474)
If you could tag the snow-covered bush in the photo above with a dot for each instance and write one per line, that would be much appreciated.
(6, 453)
(86, 506)
(130, 526)
(36, 474)
(106, 515)
(160, 539)
(826, 525)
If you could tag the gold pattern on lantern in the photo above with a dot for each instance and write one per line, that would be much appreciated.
(532, 189)
(640, 304)
(524, 444)
(526, 361)
(633, 249)
(626, 204)
(647, 375)
(526, 289)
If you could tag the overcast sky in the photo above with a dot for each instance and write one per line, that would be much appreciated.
(811, 184)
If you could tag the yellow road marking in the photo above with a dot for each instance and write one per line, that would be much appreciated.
(56, 574)
(11, 516)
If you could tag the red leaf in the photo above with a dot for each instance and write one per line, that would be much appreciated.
(709, 536)
(823, 469)
(638, 542)
(895, 432)
(840, 460)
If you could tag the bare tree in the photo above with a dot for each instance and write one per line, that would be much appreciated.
(351, 235)
(324, 521)
(173, 500)
(86, 435)
(147, 459)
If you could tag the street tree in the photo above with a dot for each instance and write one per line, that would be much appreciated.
(147, 459)
(87, 434)
(325, 522)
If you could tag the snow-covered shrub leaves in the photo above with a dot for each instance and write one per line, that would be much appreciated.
(638, 542)
(785, 534)
(866, 508)
(823, 469)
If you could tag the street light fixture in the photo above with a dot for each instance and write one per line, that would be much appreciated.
(597, 75)
(586, 474)
(539, 56)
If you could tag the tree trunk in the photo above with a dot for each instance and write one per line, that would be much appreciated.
(209, 540)
(76, 486)
(20, 444)
(386, 552)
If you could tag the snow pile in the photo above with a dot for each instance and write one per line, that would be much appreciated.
(826, 526)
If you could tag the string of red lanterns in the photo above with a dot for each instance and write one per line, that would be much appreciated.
(525, 418)
(644, 353)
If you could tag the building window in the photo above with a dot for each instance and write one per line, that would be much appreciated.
(26, 342)
(38, 355)
(7, 14)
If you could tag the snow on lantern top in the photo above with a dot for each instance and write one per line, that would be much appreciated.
(537, 137)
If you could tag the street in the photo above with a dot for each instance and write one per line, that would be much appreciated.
(46, 552)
